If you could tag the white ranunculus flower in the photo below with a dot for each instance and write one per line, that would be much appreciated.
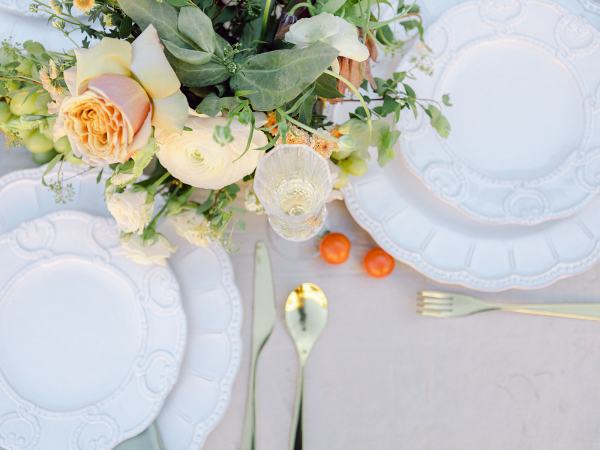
(155, 250)
(196, 159)
(132, 209)
(192, 226)
(333, 30)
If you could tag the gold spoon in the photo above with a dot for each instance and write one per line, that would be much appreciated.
(305, 317)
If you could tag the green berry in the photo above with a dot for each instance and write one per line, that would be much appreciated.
(25, 67)
(24, 103)
(354, 166)
(4, 112)
(36, 142)
(43, 158)
(62, 145)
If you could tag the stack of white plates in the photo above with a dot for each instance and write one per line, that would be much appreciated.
(509, 200)
(93, 347)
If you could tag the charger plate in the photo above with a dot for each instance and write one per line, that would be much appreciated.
(210, 299)
(524, 78)
(90, 342)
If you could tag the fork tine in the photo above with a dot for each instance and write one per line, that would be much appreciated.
(430, 314)
(434, 301)
(434, 294)
(439, 308)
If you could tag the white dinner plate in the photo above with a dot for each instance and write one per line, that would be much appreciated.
(591, 5)
(524, 79)
(442, 243)
(90, 342)
(210, 299)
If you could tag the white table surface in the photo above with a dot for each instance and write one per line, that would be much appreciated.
(384, 378)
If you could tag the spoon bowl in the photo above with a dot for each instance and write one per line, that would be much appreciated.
(305, 317)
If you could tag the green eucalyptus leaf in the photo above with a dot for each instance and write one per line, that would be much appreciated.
(251, 34)
(329, 6)
(162, 15)
(281, 75)
(438, 121)
(187, 55)
(197, 26)
(194, 75)
(34, 48)
(180, 3)
(212, 105)
(326, 87)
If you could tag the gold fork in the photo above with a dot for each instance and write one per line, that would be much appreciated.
(448, 304)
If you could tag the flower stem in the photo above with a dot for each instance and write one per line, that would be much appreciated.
(306, 127)
(355, 91)
(265, 18)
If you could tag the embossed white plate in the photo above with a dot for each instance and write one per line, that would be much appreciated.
(90, 342)
(210, 299)
(442, 243)
(524, 78)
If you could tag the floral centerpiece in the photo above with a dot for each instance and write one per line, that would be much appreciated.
(174, 102)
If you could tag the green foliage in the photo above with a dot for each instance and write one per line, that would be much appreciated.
(190, 56)
(279, 76)
(438, 121)
(197, 27)
(160, 14)
(384, 138)
(194, 75)
(212, 105)
(326, 87)
(131, 170)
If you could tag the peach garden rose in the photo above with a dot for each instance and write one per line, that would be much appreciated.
(118, 91)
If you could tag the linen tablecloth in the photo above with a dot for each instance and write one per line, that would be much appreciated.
(383, 378)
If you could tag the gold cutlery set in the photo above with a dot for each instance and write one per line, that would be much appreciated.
(306, 316)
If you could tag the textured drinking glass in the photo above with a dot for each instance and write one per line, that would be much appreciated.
(293, 183)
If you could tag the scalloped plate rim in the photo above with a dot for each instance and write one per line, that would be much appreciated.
(233, 331)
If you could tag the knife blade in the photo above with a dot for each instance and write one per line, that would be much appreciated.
(263, 322)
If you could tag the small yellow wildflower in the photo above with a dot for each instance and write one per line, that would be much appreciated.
(324, 147)
(53, 70)
(84, 5)
(271, 123)
(55, 7)
(296, 135)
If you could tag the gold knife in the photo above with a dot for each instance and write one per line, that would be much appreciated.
(263, 321)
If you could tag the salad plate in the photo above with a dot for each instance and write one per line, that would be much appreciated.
(209, 295)
(524, 78)
(100, 338)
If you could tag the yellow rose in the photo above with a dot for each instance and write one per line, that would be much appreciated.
(118, 91)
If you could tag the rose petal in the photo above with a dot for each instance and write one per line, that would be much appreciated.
(171, 112)
(110, 56)
(151, 67)
(70, 76)
(143, 135)
(126, 94)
